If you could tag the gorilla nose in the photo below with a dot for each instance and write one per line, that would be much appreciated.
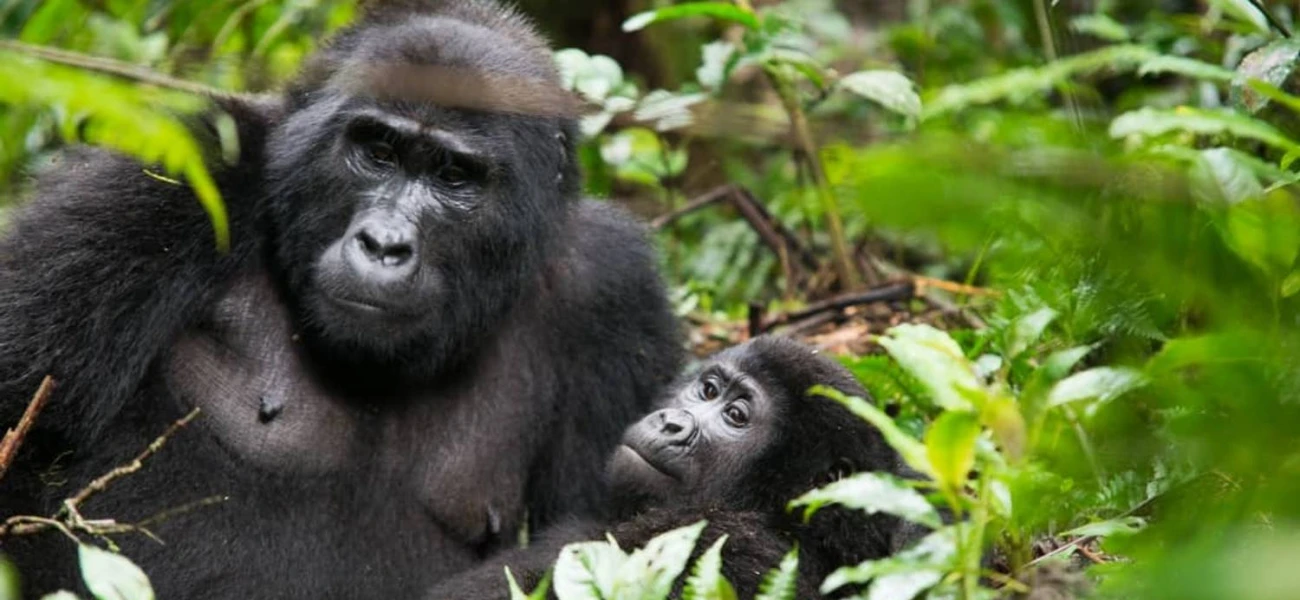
(387, 243)
(676, 426)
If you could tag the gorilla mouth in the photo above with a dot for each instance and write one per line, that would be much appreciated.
(640, 458)
(360, 306)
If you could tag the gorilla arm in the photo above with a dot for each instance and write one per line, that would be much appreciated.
(103, 266)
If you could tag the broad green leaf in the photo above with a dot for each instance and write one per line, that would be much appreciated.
(1244, 11)
(1265, 232)
(903, 586)
(1120, 526)
(1002, 416)
(1187, 67)
(1101, 384)
(1156, 122)
(779, 583)
(9, 583)
(1219, 177)
(1026, 330)
(115, 115)
(1100, 25)
(653, 569)
(889, 89)
(935, 552)
(1028, 83)
(1059, 364)
(950, 447)
(706, 581)
(111, 576)
(936, 361)
(587, 570)
(911, 450)
(872, 493)
(724, 11)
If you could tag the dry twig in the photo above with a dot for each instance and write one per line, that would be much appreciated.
(14, 437)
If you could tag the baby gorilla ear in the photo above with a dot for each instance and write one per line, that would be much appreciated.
(842, 468)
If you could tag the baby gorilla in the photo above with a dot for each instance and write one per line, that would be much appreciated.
(733, 444)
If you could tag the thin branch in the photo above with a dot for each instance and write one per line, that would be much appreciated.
(99, 484)
(694, 204)
(887, 293)
(115, 68)
(14, 437)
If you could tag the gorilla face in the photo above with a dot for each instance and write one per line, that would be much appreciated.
(406, 226)
(704, 440)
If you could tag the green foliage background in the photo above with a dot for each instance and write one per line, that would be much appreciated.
(1121, 173)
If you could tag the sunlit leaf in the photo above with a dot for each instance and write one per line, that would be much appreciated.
(1026, 330)
(1156, 122)
(587, 570)
(935, 553)
(1244, 11)
(912, 451)
(59, 595)
(1101, 384)
(653, 568)
(538, 593)
(950, 447)
(890, 89)
(780, 582)
(706, 581)
(1219, 177)
(1187, 67)
(872, 493)
(111, 576)
(1274, 65)
(717, 57)
(1100, 26)
(935, 360)
(724, 11)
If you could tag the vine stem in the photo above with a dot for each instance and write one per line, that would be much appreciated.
(808, 147)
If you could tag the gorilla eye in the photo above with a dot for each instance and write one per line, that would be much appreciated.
(381, 154)
(711, 391)
(454, 176)
(737, 414)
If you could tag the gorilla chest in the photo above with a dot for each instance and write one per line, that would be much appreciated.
(463, 452)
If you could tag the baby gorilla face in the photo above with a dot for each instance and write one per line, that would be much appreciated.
(702, 443)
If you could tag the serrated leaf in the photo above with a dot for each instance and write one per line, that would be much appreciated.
(911, 450)
(111, 576)
(935, 552)
(889, 89)
(872, 493)
(936, 361)
(724, 11)
(779, 583)
(1120, 526)
(652, 569)
(1156, 122)
(587, 570)
(706, 581)
(950, 448)
(1101, 384)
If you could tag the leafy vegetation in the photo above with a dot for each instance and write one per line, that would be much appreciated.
(1095, 203)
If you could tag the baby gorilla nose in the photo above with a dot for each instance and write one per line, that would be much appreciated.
(676, 426)
(383, 246)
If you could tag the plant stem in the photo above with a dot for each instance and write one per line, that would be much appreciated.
(808, 147)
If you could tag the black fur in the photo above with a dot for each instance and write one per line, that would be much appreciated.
(816, 440)
(350, 459)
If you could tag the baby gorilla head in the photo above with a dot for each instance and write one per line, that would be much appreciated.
(743, 432)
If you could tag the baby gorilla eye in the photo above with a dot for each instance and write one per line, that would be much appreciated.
(737, 414)
(710, 391)
(454, 176)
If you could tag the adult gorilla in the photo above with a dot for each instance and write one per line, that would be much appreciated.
(419, 341)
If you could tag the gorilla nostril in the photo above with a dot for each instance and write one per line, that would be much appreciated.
(672, 428)
(388, 248)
